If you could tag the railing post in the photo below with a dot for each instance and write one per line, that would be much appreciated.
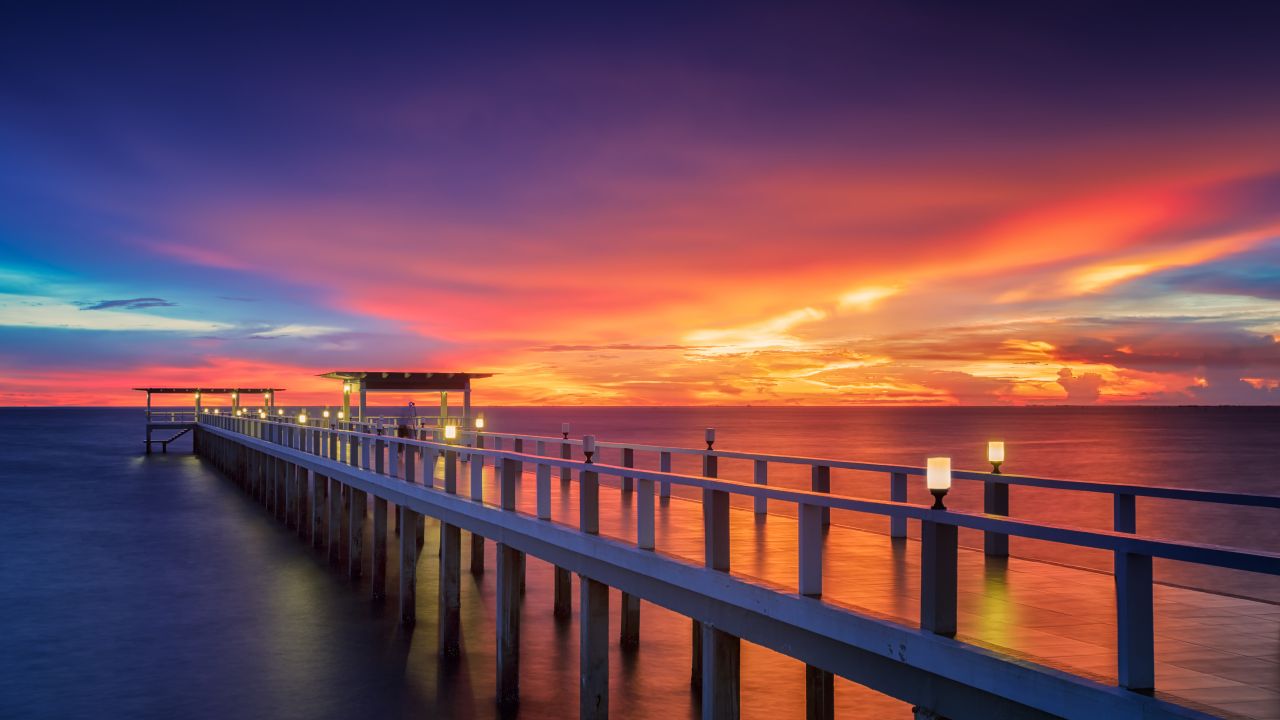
(628, 460)
(898, 493)
(645, 514)
(1135, 616)
(543, 474)
(664, 465)
(995, 501)
(510, 473)
(450, 472)
(761, 477)
(1126, 513)
(810, 546)
(938, 560)
(820, 482)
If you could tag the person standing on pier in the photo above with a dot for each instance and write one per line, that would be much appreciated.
(408, 419)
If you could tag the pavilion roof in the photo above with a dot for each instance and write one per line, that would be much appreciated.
(209, 390)
(401, 380)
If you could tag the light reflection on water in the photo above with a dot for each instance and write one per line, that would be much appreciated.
(148, 587)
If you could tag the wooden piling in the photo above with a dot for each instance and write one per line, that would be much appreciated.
(334, 534)
(721, 674)
(408, 569)
(450, 597)
(355, 530)
(378, 572)
(819, 694)
(629, 627)
(593, 650)
(563, 607)
(508, 601)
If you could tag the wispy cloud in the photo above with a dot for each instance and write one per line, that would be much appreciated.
(44, 312)
(129, 304)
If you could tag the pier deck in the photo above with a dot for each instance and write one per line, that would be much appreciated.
(1044, 634)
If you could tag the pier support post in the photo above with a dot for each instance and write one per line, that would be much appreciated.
(1135, 615)
(510, 570)
(995, 501)
(355, 532)
(408, 568)
(319, 484)
(563, 607)
(721, 674)
(379, 570)
(593, 650)
(449, 595)
(938, 558)
(629, 635)
(819, 694)
(335, 522)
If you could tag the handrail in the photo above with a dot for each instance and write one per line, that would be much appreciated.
(1257, 560)
(1157, 491)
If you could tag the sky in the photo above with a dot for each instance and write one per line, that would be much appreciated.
(930, 203)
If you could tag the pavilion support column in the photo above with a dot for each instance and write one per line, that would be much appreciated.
(593, 649)
(819, 694)
(379, 570)
(509, 572)
(355, 532)
(408, 570)
(450, 586)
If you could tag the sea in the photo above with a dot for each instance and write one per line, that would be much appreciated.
(147, 586)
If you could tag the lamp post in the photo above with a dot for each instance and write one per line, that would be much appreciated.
(938, 480)
(588, 446)
(995, 455)
(564, 430)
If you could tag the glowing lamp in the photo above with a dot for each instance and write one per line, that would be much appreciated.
(215, 411)
(346, 387)
(564, 430)
(281, 412)
(480, 423)
(938, 479)
(711, 437)
(262, 414)
(995, 455)
(588, 446)
(302, 418)
(450, 432)
(340, 414)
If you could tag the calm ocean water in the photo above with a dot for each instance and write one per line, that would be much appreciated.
(134, 586)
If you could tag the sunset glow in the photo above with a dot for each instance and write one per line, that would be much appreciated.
(803, 210)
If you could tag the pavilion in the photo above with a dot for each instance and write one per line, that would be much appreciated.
(367, 381)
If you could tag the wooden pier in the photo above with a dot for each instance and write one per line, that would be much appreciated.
(956, 633)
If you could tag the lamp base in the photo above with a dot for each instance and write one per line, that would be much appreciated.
(937, 499)
(995, 468)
